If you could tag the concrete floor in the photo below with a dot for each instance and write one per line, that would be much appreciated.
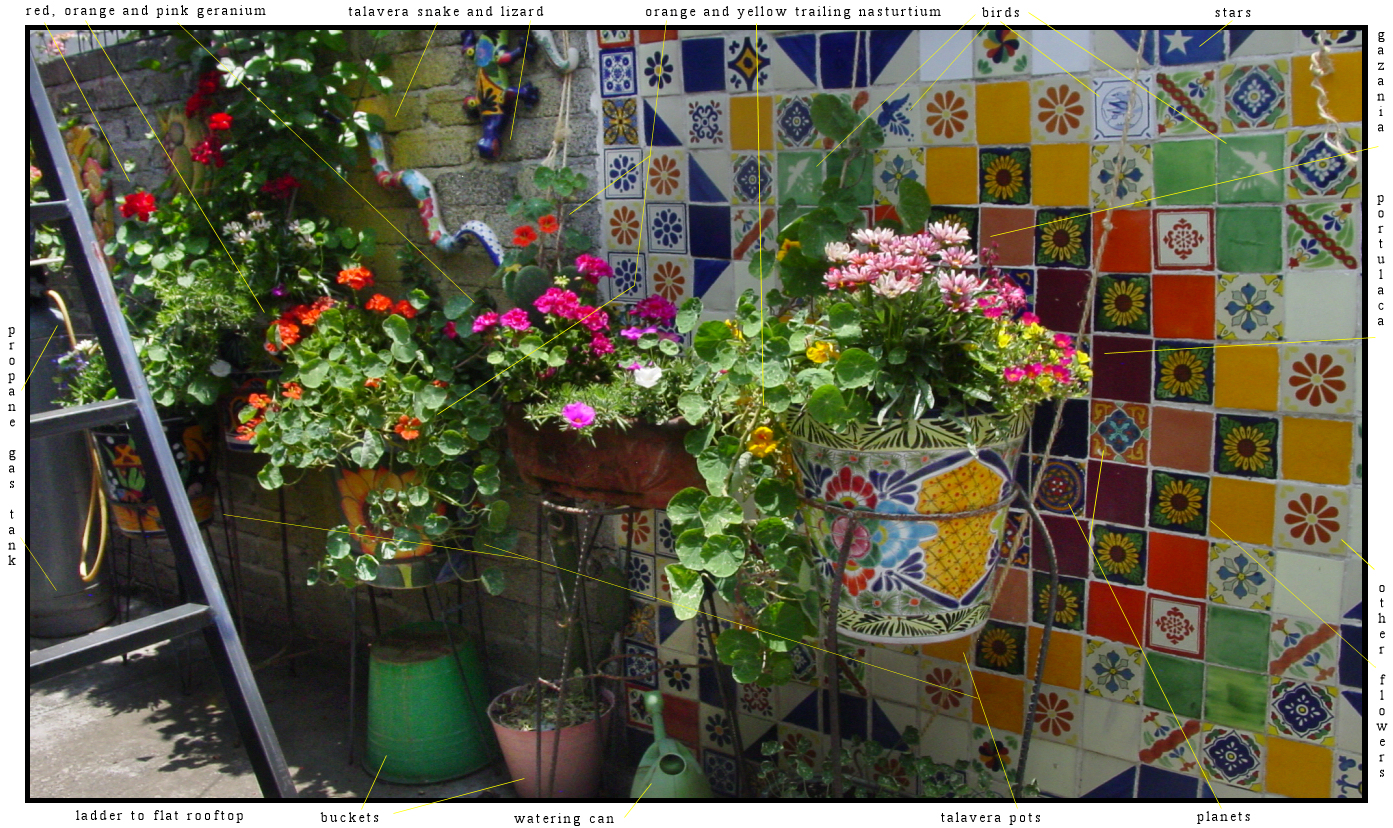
(127, 730)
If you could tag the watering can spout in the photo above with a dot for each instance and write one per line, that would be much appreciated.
(668, 769)
(653, 700)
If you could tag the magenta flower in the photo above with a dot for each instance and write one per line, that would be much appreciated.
(485, 322)
(636, 333)
(562, 303)
(1029, 318)
(655, 308)
(516, 319)
(601, 344)
(1063, 341)
(593, 268)
(578, 414)
(450, 330)
(593, 319)
(1014, 373)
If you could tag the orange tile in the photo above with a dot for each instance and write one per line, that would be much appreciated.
(1243, 509)
(1003, 113)
(1177, 564)
(1060, 175)
(752, 123)
(1316, 450)
(1246, 378)
(1298, 769)
(1182, 307)
(1013, 248)
(1013, 601)
(951, 650)
(1129, 243)
(1345, 89)
(1182, 438)
(1064, 664)
(952, 174)
(1004, 697)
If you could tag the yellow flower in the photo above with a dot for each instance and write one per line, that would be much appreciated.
(1182, 373)
(1066, 609)
(1083, 357)
(1003, 339)
(1123, 303)
(735, 330)
(1117, 553)
(820, 352)
(1034, 331)
(1062, 240)
(1003, 178)
(1247, 448)
(789, 244)
(762, 442)
(1179, 501)
(998, 647)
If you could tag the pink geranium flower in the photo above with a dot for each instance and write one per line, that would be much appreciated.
(516, 319)
(485, 322)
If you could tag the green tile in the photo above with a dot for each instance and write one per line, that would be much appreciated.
(1250, 239)
(1182, 679)
(800, 179)
(1236, 698)
(1244, 156)
(1179, 167)
(860, 177)
(1234, 637)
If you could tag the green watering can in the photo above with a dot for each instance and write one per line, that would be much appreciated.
(668, 770)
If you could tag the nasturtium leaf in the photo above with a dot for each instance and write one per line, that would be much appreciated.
(687, 546)
(450, 442)
(366, 568)
(498, 513)
(684, 506)
(397, 329)
(914, 205)
(418, 495)
(770, 530)
(493, 580)
(841, 318)
(338, 543)
(687, 591)
(688, 315)
(437, 525)
(782, 624)
(693, 406)
(827, 405)
(776, 497)
(833, 117)
(457, 306)
(314, 372)
(723, 554)
(855, 368)
(699, 438)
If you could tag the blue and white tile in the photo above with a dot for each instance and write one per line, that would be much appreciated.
(703, 62)
(895, 114)
(659, 69)
(709, 176)
(642, 574)
(1349, 776)
(664, 121)
(1249, 307)
(1111, 107)
(752, 178)
(945, 55)
(893, 55)
(1119, 47)
(893, 165)
(1349, 721)
(639, 663)
(722, 771)
(793, 122)
(747, 60)
(667, 228)
(618, 73)
(840, 56)
(623, 173)
(630, 281)
(676, 679)
(1335, 38)
(708, 121)
(794, 63)
(1256, 42)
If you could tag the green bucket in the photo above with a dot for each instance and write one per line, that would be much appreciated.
(427, 711)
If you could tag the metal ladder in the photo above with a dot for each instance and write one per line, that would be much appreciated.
(207, 609)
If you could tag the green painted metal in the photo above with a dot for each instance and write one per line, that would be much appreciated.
(667, 770)
(427, 710)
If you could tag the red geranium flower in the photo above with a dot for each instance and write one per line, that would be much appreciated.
(548, 224)
(140, 205)
(196, 103)
(281, 187)
(378, 303)
(356, 277)
(209, 82)
(524, 235)
(220, 120)
(404, 308)
(208, 151)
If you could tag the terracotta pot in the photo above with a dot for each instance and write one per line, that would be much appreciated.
(643, 465)
(910, 582)
(579, 754)
(123, 474)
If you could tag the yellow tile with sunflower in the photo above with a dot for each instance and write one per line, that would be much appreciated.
(1344, 88)
(1316, 451)
(1061, 174)
(946, 114)
(950, 174)
(1060, 109)
(752, 122)
(1246, 378)
(1003, 113)
(1242, 510)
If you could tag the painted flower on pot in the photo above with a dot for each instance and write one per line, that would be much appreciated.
(850, 491)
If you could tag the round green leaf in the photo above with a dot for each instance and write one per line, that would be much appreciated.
(855, 368)
(366, 566)
(684, 506)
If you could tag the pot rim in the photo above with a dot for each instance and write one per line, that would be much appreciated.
(607, 694)
(515, 415)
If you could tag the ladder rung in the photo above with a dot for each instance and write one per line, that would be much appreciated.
(118, 640)
(64, 420)
(48, 211)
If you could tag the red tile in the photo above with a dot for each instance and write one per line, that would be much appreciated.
(1070, 546)
(1177, 564)
(655, 35)
(1107, 620)
(1129, 243)
(1013, 601)
(1182, 306)
(1122, 492)
(1014, 249)
(680, 717)
(1059, 299)
(1123, 376)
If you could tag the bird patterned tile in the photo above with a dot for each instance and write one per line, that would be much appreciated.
(1119, 103)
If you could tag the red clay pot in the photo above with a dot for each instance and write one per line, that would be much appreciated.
(643, 465)
(579, 756)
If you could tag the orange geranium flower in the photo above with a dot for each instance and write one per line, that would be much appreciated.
(379, 303)
(356, 277)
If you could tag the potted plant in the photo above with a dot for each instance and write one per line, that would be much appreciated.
(591, 391)
(534, 719)
(375, 389)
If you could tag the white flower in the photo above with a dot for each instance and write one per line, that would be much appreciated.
(948, 232)
(242, 237)
(874, 236)
(307, 242)
(255, 215)
(219, 368)
(232, 227)
(837, 251)
(260, 226)
(649, 376)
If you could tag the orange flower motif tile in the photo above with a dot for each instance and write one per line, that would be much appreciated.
(945, 689)
(1119, 431)
(1003, 113)
(948, 114)
(1060, 110)
(1059, 715)
(1319, 379)
(621, 226)
(1312, 518)
(667, 175)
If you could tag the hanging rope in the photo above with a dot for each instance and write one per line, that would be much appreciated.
(561, 134)
(1321, 67)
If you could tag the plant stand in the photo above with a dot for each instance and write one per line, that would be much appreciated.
(834, 659)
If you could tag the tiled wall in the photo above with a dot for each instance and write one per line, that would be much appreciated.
(1193, 444)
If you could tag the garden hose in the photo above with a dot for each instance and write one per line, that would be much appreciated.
(94, 501)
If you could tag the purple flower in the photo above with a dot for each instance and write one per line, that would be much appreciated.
(278, 291)
(637, 333)
(578, 414)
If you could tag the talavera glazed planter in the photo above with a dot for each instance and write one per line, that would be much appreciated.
(910, 582)
(123, 474)
(643, 465)
(411, 568)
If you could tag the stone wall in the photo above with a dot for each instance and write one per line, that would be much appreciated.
(428, 132)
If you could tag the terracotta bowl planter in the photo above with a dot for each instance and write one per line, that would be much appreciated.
(579, 752)
(641, 466)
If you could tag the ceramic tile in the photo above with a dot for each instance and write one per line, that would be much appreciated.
(1059, 715)
(945, 55)
(995, 750)
(1322, 236)
(808, 746)
(678, 680)
(1237, 638)
(722, 771)
(1055, 768)
(1241, 575)
(620, 120)
(656, 35)
(1312, 518)
(1112, 728)
(709, 180)
(1247, 239)
(1125, 484)
(1123, 48)
(623, 173)
(1009, 228)
(663, 121)
(1113, 671)
(1119, 554)
(1004, 697)
(1319, 169)
(1001, 647)
(1349, 720)
(999, 52)
(752, 178)
(861, 187)
(1177, 564)
(618, 73)
(704, 62)
(752, 122)
(1174, 683)
(892, 165)
(1103, 777)
(946, 688)
(630, 273)
(896, 113)
(1180, 438)
(1069, 606)
(1242, 510)
(1255, 95)
(639, 665)
(1236, 698)
(1302, 710)
(1318, 378)
(1064, 662)
(1249, 167)
(1071, 440)
(1129, 245)
(636, 712)
(1116, 613)
(1184, 46)
(1054, 51)
(1176, 626)
(1062, 487)
(1317, 577)
(1120, 432)
(659, 69)
(1322, 305)
(1249, 307)
(1169, 742)
(1298, 769)
(667, 230)
(1183, 374)
(752, 230)
(953, 174)
(891, 676)
(662, 539)
(708, 121)
(947, 115)
(1334, 38)
(717, 730)
(1003, 112)
(667, 175)
(1063, 238)
(1250, 42)
(1121, 177)
(1115, 98)
(1012, 603)
(843, 61)
(1233, 756)
(1303, 649)
(1069, 535)
(1004, 175)
(747, 59)
(1185, 171)
(1246, 446)
(1060, 175)
(793, 122)
(1123, 304)
(1349, 776)
(1344, 88)
(1179, 502)
(1060, 110)
(1316, 451)
(1246, 377)
(794, 62)
(672, 279)
(1191, 101)
(641, 625)
(614, 38)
